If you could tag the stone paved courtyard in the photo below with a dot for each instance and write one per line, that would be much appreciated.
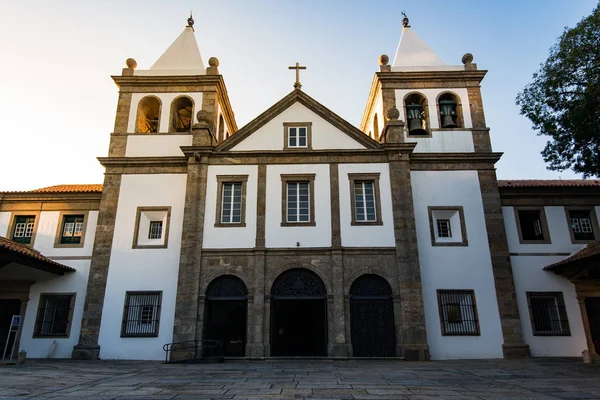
(290, 379)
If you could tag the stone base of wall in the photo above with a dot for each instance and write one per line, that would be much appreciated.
(86, 352)
(516, 350)
(338, 350)
(416, 352)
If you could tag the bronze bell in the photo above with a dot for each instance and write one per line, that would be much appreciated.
(448, 113)
(415, 118)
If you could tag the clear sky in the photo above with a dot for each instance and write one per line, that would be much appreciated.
(58, 102)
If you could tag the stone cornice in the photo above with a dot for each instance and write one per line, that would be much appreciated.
(462, 78)
(167, 80)
(142, 161)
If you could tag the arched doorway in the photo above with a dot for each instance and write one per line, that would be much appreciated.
(298, 315)
(226, 314)
(372, 317)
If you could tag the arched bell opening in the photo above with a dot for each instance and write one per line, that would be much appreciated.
(376, 127)
(372, 327)
(148, 115)
(182, 111)
(226, 315)
(298, 315)
(450, 111)
(417, 114)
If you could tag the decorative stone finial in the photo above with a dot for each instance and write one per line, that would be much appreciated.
(384, 59)
(203, 116)
(190, 20)
(131, 63)
(392, 113)
(213, 62)
(467, 58)
(405, 20)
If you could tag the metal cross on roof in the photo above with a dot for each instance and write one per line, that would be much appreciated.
(297, 67)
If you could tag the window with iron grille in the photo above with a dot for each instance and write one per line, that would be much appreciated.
(155, 230)
(458, 312)
(231, 203)
(443, 228)
(364, 201)
(141, 315)
(298, 202)
(581, 224)
(72, 229)
(54, 315)
(23, 230)
(548, 314)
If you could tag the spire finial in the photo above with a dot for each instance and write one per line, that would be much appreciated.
(405, 20)
(190, 21)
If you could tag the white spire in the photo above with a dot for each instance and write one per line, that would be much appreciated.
(414, 52)
(181, 58)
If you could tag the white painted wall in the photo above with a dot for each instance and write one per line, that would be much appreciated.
(4, 223)
(308, 236)
(456, 267)
(165, 110)
(529, 276)
(230, 237)
(142, 269)
(46, 233)
(72, 282)
(367, 235)
(324, 135)
(156, 145)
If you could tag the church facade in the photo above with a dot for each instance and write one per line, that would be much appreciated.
(300, 235)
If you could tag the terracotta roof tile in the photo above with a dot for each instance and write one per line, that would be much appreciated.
(11, 245)
(592, 249)
(69, 189)
(548, 183)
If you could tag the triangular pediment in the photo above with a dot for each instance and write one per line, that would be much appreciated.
(329, 130)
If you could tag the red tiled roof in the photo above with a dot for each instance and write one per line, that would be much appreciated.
(592, 249)
(69, 189)
(548, 183)
(13, 246)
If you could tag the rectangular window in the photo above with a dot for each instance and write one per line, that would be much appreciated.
(532, 226)
(364, 201)
(141, 315)
(298, 202)
(582, 226)
(443, 228)
(548, 314)
(54, 315)
(155, 230)
(231, 211)
(297, 135)
(23, 230)
(72, 229)
(458, 312)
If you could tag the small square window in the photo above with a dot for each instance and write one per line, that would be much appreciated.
(23, 230)
(297, 135)
(582, 224)
(447, 226)
(298, 200)
(532, 225)
(72, 229)
(458, 312)
(548, 314)
(155, 221)
(54, 315)
(141, 314)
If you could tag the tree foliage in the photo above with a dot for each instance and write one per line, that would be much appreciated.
(563, 100)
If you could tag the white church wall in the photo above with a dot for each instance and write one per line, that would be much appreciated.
(230, 237)
(4, 222)
(366, 235)
(456, 267)
(156, 145)
(165, 109)
(69, 283)
(142, 269)
(46, 234)
(528, 261)
(324, 135)
(307, 236)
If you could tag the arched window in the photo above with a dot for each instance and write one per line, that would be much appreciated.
(182, 110)
(221, 129)
(450, 111)
(376, 127)
(417, 115)
(148, 115)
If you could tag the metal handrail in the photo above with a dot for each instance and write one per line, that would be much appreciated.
(199, 347)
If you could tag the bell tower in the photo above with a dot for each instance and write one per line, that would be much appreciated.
(418, 98)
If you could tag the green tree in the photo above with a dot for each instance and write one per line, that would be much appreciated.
(563, 100)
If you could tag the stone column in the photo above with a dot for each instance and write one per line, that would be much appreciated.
(88, 347)
(510, 320)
